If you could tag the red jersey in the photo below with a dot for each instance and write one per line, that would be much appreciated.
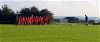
(19, 19)
(46, 18)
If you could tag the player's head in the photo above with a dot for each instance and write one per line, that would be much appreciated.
(85, 15)
(23, 17)
(32, 15)
(36, 16)
(40, 16)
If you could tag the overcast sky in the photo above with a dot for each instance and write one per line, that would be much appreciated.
(58, 7)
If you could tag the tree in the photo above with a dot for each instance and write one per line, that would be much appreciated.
(6, 10)
(25, 12)
(45, 12)
(0, 14)
(8, 14)
(35, 11)
(0, 11)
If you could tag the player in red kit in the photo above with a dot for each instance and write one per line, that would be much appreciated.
(41, 20)
(23, 20)
(31, 19)
(28, 20)
(37, 19)
(19, 20)
(46, 20)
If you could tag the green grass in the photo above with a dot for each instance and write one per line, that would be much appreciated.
(49, 33)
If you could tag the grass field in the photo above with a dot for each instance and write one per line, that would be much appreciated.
(49, 33)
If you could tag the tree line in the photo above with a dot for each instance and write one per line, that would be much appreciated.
(7, 15)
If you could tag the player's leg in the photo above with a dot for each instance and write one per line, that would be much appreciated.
(86, 23)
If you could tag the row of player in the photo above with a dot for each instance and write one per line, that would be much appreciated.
(32, 20)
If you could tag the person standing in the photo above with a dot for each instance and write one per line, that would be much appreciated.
(32, 19)
(19, 20)
(46, 20)
(23, 20)
(86, 20)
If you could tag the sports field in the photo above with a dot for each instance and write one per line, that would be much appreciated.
(49, 33)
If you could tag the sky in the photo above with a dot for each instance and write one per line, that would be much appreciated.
(58, 7)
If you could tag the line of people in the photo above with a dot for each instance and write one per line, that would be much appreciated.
(36, 20)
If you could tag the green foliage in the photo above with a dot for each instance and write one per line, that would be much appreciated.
(7, 14)
(7, 10)
(25, 12)
(45, 12)
(35, 11)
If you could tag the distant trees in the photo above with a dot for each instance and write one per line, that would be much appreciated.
(7, 10)
(30, 11)
(25, 12)
(45, 12)
(7, 14)
(0, 11)
(35, 11)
